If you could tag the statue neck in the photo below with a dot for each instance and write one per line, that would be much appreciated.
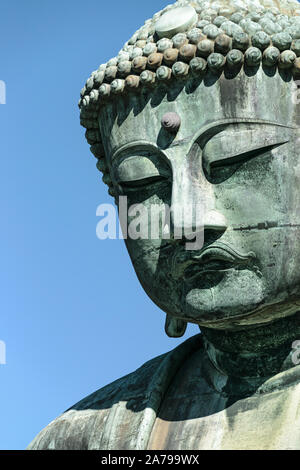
(257, 353)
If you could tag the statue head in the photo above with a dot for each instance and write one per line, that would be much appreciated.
(200, 108)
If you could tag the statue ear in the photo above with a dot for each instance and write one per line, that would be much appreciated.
(174, 327)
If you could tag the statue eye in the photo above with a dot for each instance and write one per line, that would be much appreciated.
(137, 184)
(241, 158)
(221, 170)
(225, 152)
(140, 171)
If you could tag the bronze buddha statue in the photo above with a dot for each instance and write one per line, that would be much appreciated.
(201, 105)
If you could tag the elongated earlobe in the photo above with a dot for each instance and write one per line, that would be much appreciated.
(174, 327)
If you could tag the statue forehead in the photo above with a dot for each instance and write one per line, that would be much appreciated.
(138, 117)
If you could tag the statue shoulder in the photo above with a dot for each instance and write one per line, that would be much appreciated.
(105, 419)
(61, 433)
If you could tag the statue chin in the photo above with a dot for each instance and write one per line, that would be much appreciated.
(229, 294)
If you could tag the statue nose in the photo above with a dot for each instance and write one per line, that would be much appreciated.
(189, 226)
(194, 205)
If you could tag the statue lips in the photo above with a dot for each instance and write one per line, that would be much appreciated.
(217, 257)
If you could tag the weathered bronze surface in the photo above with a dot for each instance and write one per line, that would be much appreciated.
(201, 106)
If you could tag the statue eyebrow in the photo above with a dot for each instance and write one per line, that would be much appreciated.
(213, 127)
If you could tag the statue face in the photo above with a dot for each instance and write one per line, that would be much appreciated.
(236, 153)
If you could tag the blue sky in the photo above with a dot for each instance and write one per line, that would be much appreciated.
(74, 316)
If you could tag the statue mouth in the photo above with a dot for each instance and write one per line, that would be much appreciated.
(218, 257)
(195, 269)
(222, 251)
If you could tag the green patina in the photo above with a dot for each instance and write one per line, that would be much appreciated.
(213, 117)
